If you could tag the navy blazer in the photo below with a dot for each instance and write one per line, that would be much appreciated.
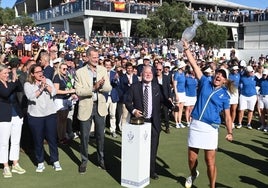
(165, 87)
(8, 99)
(115, 88)
(134, 100)
(124, 84)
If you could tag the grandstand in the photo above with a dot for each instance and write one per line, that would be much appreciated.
(247, 26)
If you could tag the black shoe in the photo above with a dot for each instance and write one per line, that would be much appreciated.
(114, 135)
(167, 131)
(102, 166)
(154, 176)
(82, 168)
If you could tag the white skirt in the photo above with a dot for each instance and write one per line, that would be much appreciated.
(190, 101)
(202, 135)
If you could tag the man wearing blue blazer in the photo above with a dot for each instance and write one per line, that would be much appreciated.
(112, 97)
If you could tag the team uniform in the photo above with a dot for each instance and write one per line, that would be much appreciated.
(248, 96)
(235, 96)
(263, 97)
(190, 90)
(180, 78)
(203, 131)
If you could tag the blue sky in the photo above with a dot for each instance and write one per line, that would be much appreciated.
(254, 3)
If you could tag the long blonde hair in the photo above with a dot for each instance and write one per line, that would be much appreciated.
(229, 84)
(57, 71)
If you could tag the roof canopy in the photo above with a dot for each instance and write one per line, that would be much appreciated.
(221, 3)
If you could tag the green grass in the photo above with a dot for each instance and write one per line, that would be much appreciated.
(242, 163)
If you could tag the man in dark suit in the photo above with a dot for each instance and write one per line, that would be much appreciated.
(134, 101)
(164, 82)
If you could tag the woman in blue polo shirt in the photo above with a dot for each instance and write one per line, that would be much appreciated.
(248, 96)
(263, 99)
(212, 99)
(191, 92)
(179, 90)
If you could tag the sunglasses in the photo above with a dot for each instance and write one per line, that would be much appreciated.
(38, 72)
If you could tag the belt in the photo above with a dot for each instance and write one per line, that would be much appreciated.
(148, 120)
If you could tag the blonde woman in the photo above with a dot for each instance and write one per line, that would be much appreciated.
(63, 99)
(212, 99)
(179, 90)
(11, 119)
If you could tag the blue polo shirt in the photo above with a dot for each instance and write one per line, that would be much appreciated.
(180, 78)
(210, 102)
(263, 84)
(190, 86)
(235, 78)
(248, 84)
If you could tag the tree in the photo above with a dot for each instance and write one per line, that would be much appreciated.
(170, 20)
(23, 21)
(7, 16)
(211, 34)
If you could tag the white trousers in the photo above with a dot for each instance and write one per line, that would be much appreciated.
(10, 130)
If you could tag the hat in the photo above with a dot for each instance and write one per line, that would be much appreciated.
(208, 70)
(166, 64)
(243, 63)
(57, 60)
(249, 69)
(68, 57)
(101, 58)
(235, 67)
(181, 64)
(210, 60)
(24, 59)
(7, 46)
(224, 72)
(265, 71)
(146, 58)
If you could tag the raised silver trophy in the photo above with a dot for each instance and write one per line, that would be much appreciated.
(189, 33)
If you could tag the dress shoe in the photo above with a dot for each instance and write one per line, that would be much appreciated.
(82, 168)
(102, 166)
(154, 176)
(167, 131)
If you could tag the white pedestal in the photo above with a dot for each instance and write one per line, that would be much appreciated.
(135, 154)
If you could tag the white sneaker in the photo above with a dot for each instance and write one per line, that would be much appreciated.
(40, 168)
(178, 125)
(265, 129)
(7, 173)
(233, 126)
(17, 169)
(56, 166)
(249, 126)
(261, 128)
(181, 125)
(238, 126)
(190, 180)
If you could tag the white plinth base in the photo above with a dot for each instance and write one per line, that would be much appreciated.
(135, 154)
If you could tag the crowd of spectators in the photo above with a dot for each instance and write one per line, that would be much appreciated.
(58, 52)
(225, 15)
